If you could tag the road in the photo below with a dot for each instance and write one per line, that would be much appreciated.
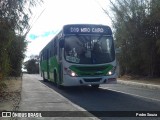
(45, 96)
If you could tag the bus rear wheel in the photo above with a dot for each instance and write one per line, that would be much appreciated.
(44, 79)
(55, 77)
(95, 86)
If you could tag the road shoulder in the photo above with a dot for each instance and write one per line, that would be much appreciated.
(151, 83)
(10, 95)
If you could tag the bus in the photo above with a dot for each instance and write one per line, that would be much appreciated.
(80, 54)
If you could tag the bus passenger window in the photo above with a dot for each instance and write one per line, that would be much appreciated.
(55, 47)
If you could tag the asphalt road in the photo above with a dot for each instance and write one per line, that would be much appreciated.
(45, 96)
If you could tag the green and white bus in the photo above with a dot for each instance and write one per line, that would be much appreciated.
(80, 54)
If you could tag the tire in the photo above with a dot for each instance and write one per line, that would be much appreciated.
(55, 79)
(56, 82)
(45, 80)
(95, 86)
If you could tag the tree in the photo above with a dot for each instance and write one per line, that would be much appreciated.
(137, 33)
(14, 18)
(16, 55)
(32, 65)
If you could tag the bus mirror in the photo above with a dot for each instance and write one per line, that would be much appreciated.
(61, 43)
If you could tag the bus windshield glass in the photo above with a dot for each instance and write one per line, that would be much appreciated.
(89, 49)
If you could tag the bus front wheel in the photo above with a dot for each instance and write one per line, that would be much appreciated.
(55, 77)
(56, 81)
(95, 86)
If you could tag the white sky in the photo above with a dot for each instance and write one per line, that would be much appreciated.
(60, 12)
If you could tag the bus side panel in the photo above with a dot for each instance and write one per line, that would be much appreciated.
(54, 67)
(44, 68)
(51, 69)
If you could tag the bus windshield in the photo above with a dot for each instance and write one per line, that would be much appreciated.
(89, 49)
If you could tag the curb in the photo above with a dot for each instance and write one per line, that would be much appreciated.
(144, 85)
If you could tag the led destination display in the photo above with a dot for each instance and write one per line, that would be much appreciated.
(87, 29)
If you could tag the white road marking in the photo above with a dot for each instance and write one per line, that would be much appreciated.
(130, 94)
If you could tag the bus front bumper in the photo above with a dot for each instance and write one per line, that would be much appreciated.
(78, 81)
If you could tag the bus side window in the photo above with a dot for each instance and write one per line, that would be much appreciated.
(50, 54)
(55, 47)
(41, 57)
(50, 51)
(45, 54)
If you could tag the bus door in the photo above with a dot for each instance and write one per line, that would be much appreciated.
(47, 63)
(60, 52)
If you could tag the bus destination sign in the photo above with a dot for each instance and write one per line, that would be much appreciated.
(87, 29)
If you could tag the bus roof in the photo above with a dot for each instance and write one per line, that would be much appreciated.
(86, 29)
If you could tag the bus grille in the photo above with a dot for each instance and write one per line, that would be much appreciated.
(97, 68)
(92, 80)
(91, 70)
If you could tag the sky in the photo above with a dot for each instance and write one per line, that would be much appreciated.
(56, 13)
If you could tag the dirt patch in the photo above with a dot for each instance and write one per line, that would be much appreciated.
(10, 94)
(141, 79)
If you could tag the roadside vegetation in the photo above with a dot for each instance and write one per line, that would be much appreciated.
(10, 93)
(32, 65)
(137, 36)
(14, 26)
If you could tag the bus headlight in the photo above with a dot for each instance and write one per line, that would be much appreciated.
(112, 71)
(73, 74)
(70, 72)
